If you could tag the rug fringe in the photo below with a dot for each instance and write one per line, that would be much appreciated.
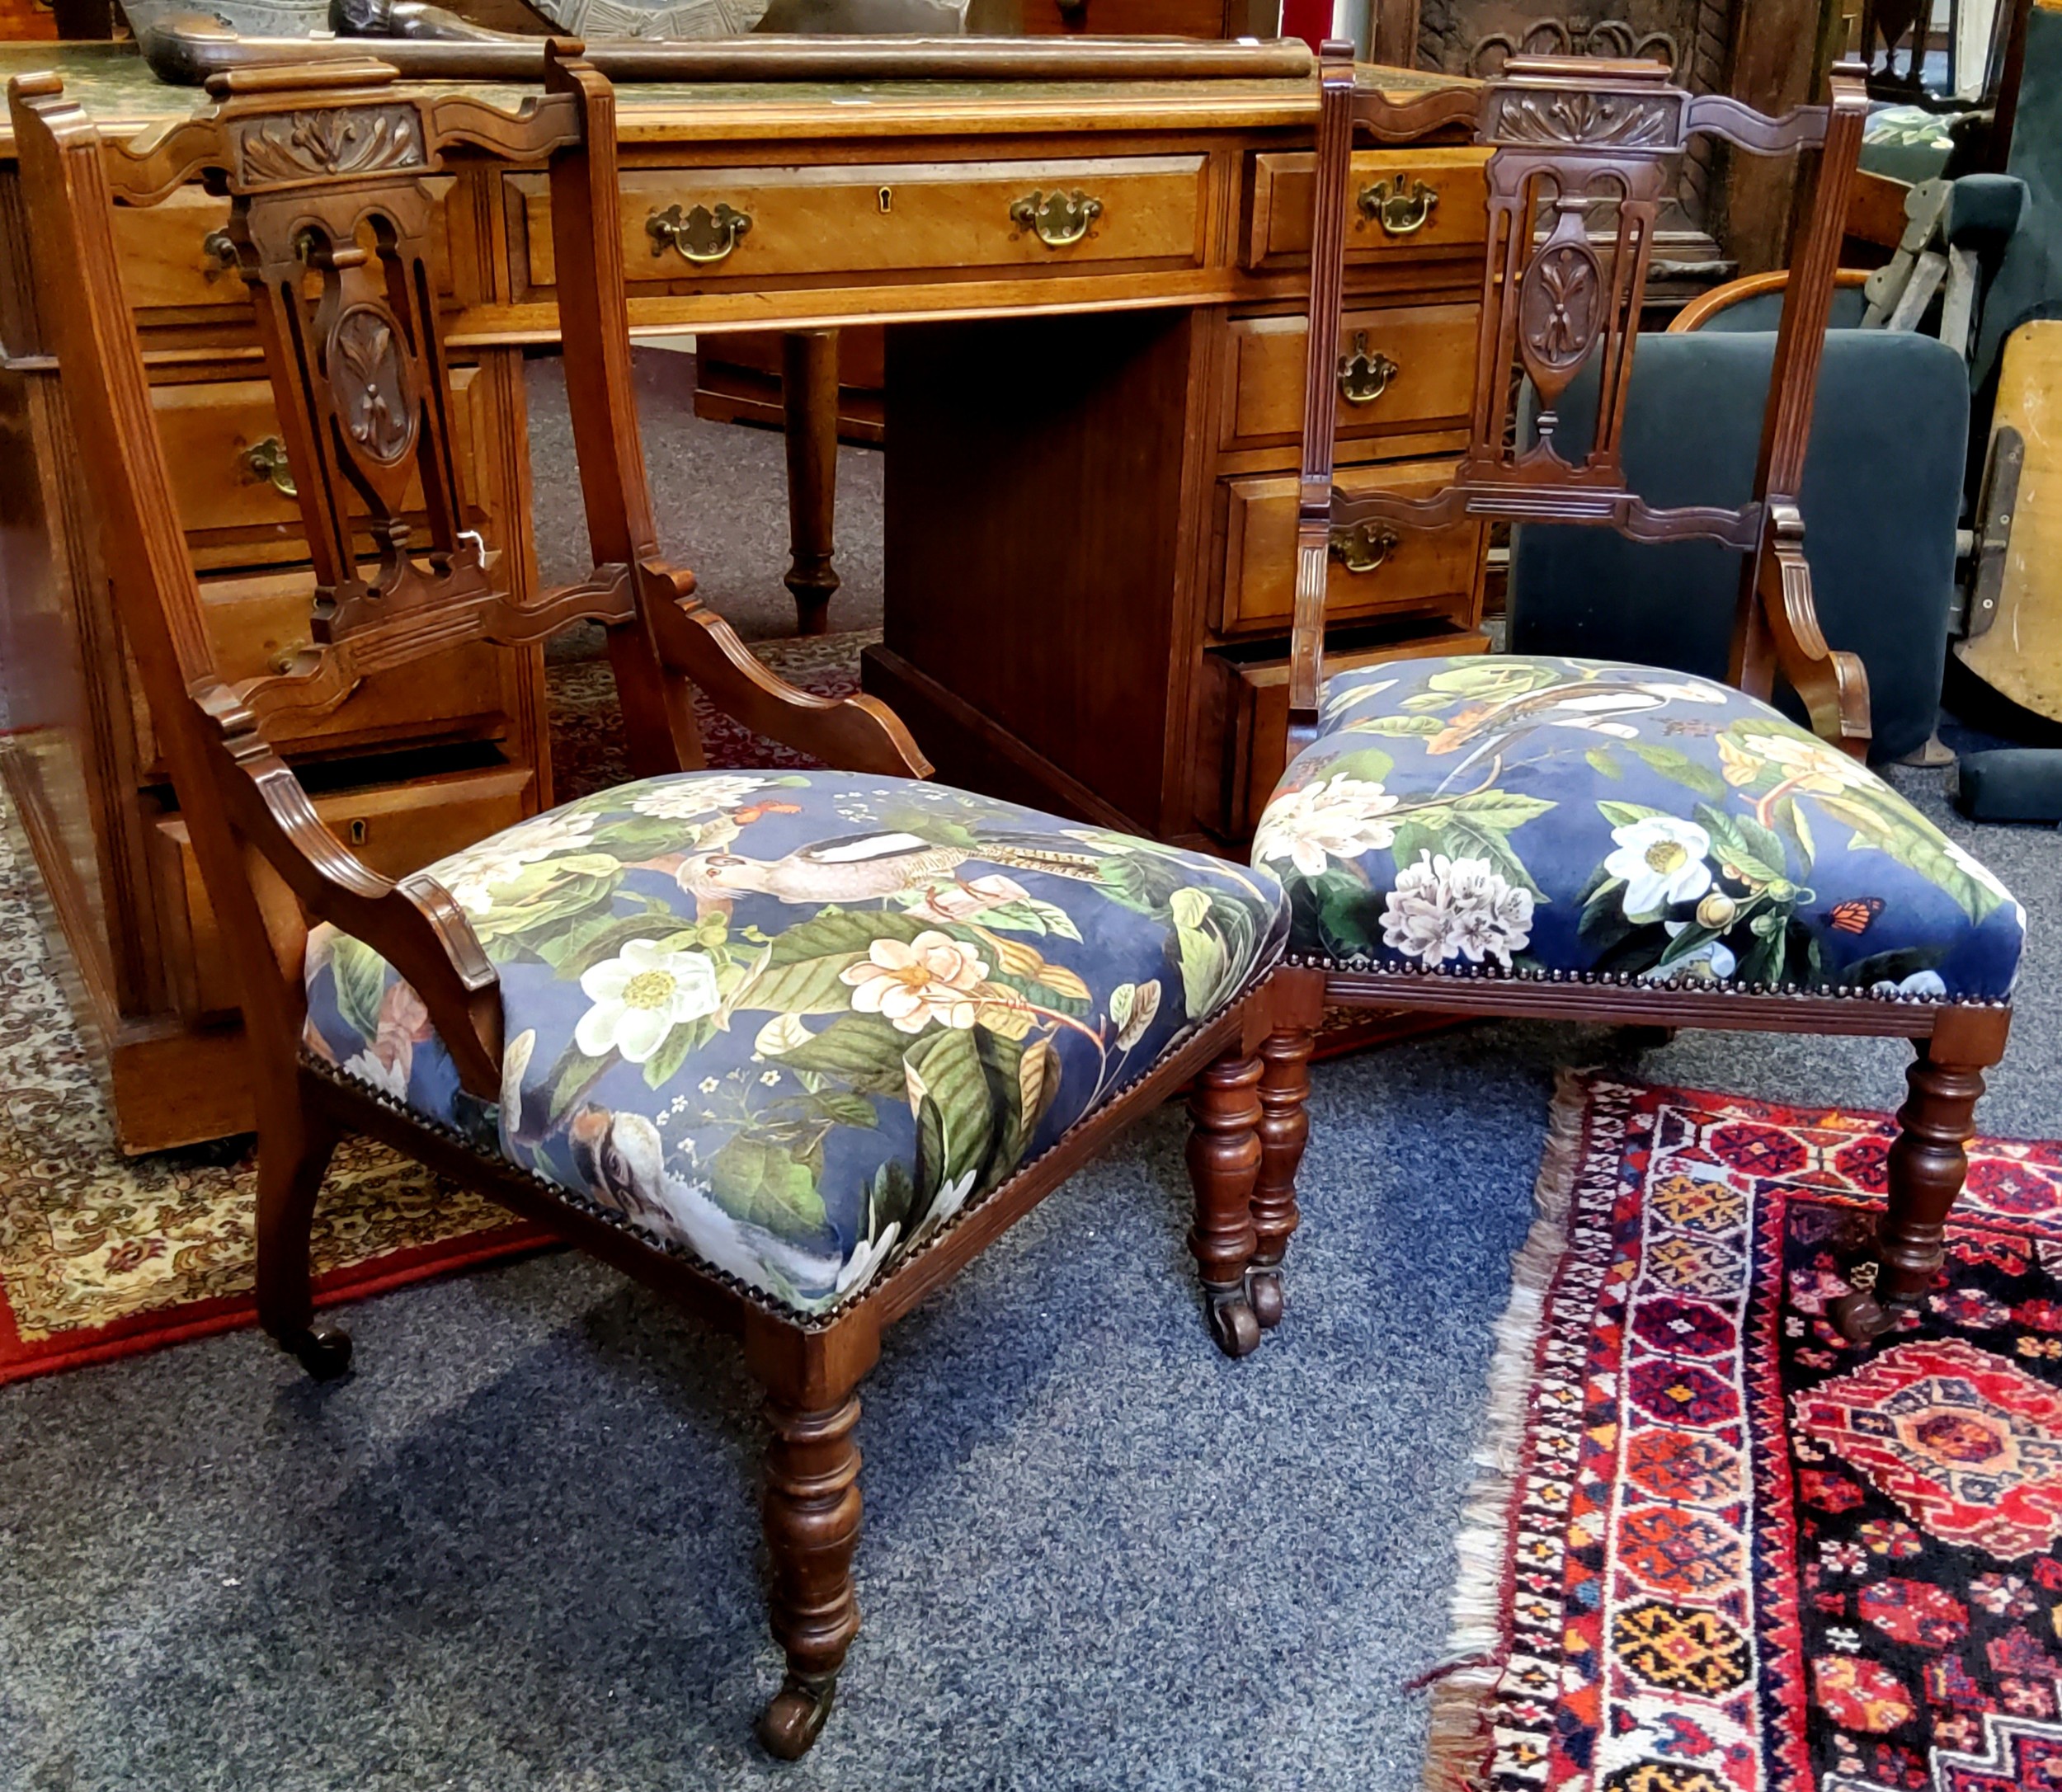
(1457, 1747)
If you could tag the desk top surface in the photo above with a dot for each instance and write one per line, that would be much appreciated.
(118, 89)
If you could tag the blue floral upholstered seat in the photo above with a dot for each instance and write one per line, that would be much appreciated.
(1521, 815)
(792, 1023)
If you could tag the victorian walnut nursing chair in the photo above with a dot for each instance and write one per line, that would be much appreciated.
(790, 1048)
(1589, 840)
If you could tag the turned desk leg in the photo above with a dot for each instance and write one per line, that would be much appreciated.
(811, 1515)
(809, 391)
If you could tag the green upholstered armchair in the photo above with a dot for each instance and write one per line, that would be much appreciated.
(1882, 493)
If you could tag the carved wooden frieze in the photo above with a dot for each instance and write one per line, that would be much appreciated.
(1586, 121)
(334, 142)
(369, 379)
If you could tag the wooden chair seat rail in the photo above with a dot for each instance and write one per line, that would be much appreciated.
(1569, 135)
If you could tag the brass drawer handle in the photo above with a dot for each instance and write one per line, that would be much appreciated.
(219, 249)
(1399, 208)
(265, 462)
(700, 235)
(1363, 547)
(1364, 377)
(1056, 218)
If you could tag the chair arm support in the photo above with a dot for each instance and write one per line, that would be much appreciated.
(1779, 612)
(855, 734)
(416, 926)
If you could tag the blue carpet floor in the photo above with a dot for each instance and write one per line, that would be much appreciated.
(516, 1550)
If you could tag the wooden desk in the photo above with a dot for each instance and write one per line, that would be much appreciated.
(1090, 488)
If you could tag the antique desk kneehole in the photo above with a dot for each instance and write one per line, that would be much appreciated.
(1095, 394)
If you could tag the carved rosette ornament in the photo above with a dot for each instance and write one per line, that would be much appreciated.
(369, 380)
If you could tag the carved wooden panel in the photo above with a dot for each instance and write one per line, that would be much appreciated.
(1687, 37)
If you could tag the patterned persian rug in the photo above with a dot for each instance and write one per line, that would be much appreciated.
(1717, 1548)
(103, 1256)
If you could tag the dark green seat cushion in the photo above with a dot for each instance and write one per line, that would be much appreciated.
(1882, 491)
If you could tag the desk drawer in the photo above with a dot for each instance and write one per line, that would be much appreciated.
(1243, 742)
(1412, 368)
(918, 216)
(1408, 202)
(175, 255)
(394, 828)
(217, 435)
(258, 622)
(1427, 571)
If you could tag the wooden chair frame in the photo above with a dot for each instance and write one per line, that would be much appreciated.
(1549, 303)
(328, 167)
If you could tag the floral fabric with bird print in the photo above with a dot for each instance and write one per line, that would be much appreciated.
(1516, 814)
(792, 1023)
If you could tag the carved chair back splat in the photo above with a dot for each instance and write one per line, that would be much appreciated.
(1576, 139)
(1574, 183)
(332, 172)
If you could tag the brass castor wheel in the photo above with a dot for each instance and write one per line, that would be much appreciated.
(794, 1717)
(323, 1350)
(1860, 1317)
(1264, 1294)
(1232, 1322)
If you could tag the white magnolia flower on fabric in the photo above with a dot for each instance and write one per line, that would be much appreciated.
(865, 1262)
(688, 799)
(473, 876)
(640, 996)
(389, 1077)
(1662, 861)
(912, 983)
(1710, 962)
(1445, 908)
(1337, 817)
(1923, 983)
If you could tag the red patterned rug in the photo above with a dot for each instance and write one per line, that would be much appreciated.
(1718, 1549)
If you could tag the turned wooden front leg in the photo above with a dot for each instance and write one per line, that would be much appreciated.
(1224, 1162)
(812, 1515)
(809, 393)
(1285, 1128)
(1927, 1165)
